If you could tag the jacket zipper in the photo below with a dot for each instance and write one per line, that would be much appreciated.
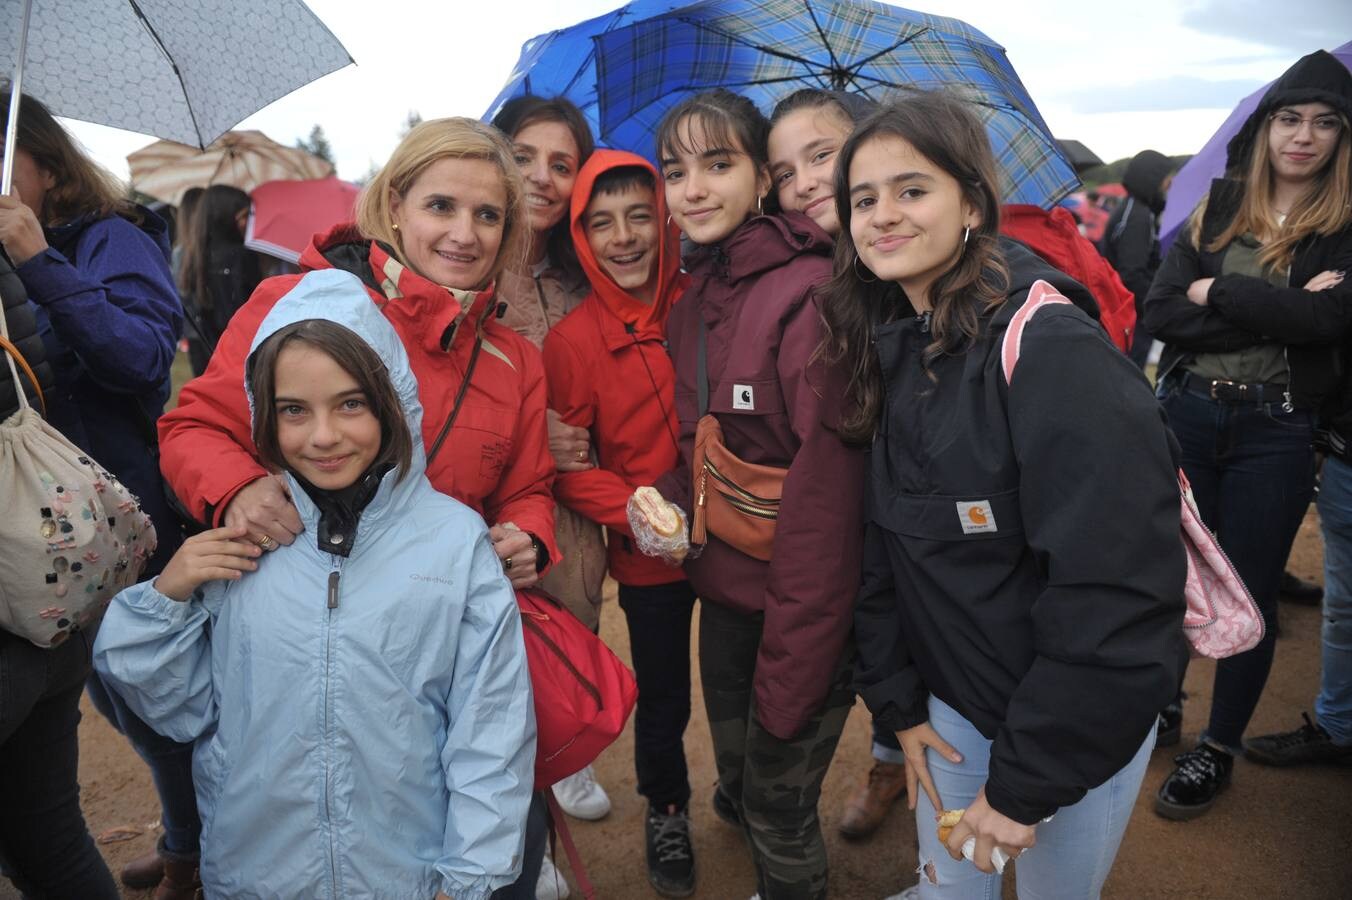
(335, 574)
(1287, 405)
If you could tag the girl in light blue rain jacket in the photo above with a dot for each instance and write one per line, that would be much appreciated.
(359, 699)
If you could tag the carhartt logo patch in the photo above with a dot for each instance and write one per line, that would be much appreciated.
(743, 396)
(976, 516)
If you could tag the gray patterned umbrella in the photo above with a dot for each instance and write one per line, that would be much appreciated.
(187, 70)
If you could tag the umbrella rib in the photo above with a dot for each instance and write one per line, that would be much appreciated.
(863, 62)
(136, 8)
(835, 60)
(701, 26)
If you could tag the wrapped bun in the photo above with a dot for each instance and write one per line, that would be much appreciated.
(662, 517)
(947, 820)
(659, 526)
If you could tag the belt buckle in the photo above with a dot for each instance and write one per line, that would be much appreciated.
(1217, 382)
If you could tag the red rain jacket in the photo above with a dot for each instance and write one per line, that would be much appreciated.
(608, 372)
(496, 459)
(756, 293)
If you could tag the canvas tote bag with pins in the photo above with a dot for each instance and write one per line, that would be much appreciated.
(71, 535)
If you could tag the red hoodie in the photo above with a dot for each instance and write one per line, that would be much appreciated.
(496, 459)
(608, 371)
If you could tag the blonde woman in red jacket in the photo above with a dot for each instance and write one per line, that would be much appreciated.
(434, 229)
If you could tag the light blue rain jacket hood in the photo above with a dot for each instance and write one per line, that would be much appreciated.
(363, 726)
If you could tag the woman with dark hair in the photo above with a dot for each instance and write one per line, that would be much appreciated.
(551, 141)
(1250, 304)
(774, 651)
(96, 269)
(185, 226)
(1019, 643)
(218, 271)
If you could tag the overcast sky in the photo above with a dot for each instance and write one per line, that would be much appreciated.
(1119, 77)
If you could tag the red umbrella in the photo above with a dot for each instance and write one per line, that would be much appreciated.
(287, 214)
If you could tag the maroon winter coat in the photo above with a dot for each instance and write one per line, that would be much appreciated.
(756, 294)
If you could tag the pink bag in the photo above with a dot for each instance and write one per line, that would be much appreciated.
(1221, 619)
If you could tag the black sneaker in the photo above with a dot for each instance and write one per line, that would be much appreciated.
(1307, 744)
(1295, 589)
(1192, 788)
(671, 858)
(725, 809)
(1170, 727)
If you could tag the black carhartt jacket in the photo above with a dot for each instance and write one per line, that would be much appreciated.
(1022, 561)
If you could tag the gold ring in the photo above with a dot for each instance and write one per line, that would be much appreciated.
(266, 542)
(507, 564)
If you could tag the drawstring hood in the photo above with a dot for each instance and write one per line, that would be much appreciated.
(333, 517)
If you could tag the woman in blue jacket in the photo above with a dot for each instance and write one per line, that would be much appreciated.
(96, 270)
(359, 699)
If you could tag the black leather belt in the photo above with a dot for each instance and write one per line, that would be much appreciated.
(1236, 392)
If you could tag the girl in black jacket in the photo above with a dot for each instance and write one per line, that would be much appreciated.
(218, 271)
(1020, 618)
(1249, 360)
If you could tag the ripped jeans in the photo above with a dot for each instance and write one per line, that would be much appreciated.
(1074, 851)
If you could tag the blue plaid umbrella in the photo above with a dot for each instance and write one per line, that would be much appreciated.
(627, 68)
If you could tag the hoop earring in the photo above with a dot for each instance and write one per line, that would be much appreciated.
(760, 207)
(668, 221)
(966, 233)
(860, 275)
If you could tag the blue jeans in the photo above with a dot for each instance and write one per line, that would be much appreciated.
(1333, 706)
(1074, 851)
(170, 766)
(45, 847)
(1252, 472)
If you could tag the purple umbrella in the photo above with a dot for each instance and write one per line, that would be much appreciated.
(1194, 179)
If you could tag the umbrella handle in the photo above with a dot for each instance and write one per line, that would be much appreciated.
(15, 92)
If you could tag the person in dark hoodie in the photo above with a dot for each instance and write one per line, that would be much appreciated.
(96, 269)
(774, 635)
(1131, 239)
(1019, 620)
(608, 372)
(1253, 307)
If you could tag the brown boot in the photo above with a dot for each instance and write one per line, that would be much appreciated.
(868, 806)
(181, 881)
(143, 871)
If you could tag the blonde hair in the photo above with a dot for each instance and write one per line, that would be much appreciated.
(1324, 209)
(428, 143)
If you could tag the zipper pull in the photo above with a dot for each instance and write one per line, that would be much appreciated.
(703, 480)
(333, 589)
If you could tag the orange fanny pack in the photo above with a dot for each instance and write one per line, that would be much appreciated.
(735, 501)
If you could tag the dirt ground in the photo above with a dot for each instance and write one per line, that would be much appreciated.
(1274, 834)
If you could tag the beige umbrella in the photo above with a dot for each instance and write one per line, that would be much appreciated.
(243, 159)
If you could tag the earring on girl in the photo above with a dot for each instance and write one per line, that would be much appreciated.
(860, 275)
(394, 225)
(966, 233)
(760, 207)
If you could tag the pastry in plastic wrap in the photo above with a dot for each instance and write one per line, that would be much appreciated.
(659, 526)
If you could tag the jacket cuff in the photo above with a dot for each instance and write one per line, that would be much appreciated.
(894, 703)
(1007, 804)
(150, 601)
(49, 276)
(478, 889)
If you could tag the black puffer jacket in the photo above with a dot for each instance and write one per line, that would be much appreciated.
(1053, 620)
(23, 333)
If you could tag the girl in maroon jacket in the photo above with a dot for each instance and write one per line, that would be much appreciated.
(773, 635)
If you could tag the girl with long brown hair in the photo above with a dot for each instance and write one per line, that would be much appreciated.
(1019, 619)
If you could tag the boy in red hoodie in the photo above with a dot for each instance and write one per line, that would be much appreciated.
(608, 371)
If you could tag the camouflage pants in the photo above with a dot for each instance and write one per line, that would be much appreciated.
(774, 784)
